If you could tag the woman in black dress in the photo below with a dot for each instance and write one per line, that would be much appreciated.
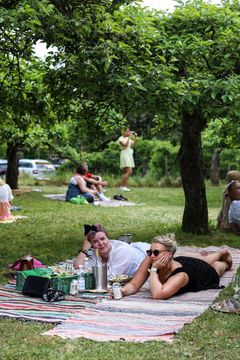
(170, 275)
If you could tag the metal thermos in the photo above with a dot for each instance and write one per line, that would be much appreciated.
(100, 274)
(100, 277)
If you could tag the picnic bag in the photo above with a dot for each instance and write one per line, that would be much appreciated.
(26, 262)
(36, 286)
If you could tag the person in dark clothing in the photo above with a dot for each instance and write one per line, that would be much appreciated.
(169, 275)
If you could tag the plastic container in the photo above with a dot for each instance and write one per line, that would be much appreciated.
(58, 283)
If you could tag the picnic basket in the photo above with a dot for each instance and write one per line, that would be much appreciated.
(58, 282)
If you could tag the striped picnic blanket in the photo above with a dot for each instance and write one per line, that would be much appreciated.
(140, 318)
(133, 318)
(15, 305)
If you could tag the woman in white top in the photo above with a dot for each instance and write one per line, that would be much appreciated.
(6, 198)
(121, 257)
(126, 156)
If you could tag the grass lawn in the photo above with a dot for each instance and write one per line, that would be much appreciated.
(53, 231)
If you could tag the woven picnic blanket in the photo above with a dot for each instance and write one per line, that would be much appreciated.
(111, 203)
(15, 305)
(140, 318)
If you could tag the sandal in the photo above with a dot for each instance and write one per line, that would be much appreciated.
(228, 306)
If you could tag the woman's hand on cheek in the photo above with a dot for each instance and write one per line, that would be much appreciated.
(161, 263)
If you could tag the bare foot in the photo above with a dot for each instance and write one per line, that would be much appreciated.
(226, 256)
(204, 252)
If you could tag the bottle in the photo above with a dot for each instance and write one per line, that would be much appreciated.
(74, 288)
(81, 279)
(88, 274)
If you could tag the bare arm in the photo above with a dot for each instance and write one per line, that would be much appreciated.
(170, 288)
(135, 138)
(81, 256)
(95, 182)
(174, 283)
(125, 143)
(82, 186)
(138, 280)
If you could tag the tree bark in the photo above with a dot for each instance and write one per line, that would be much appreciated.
(214, 170)
(12, 169)
(195, 216)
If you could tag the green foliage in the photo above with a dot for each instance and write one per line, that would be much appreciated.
(144, 150)
(152, 157)
(164, 160)
(3, 151)
(115, 62)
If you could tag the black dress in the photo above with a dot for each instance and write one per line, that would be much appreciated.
(202, 276)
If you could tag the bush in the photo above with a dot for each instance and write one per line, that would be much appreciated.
(153, 158)
(164, 160)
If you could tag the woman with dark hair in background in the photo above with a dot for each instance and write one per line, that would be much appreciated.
(78, 186)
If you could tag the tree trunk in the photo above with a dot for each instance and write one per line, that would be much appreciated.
(166, 173)
(214, 170)
(12, 169)
(195, 216)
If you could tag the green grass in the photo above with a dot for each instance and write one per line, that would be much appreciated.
(53, 231)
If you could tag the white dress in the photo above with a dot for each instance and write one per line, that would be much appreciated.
(126, 155)
(124, 258)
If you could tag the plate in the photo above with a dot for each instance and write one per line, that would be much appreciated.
(121, 279)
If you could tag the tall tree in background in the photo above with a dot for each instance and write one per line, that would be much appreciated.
(25, 102)
(203, 55)
(182, 68)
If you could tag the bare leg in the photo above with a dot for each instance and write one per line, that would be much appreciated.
(99, 188)
(126, 173)
(222, 256)
(220, 267)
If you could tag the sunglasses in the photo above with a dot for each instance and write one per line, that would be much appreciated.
(154, 252)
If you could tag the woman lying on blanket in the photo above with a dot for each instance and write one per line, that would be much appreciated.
(170, 275)
(121, 257)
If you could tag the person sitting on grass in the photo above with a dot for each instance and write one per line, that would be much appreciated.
(94, 181)
(234, 209)
(78, 186)
(169, 275)
(6, 198)
(233, 179)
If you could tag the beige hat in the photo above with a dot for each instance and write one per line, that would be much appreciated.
(233, 175)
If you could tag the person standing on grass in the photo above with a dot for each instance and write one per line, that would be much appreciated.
(6, 198)
(126, 141)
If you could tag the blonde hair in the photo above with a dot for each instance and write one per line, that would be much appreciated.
(168, 241)
(2, 182)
